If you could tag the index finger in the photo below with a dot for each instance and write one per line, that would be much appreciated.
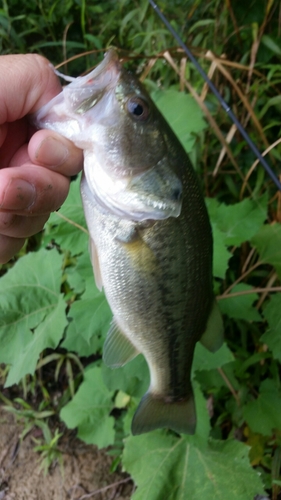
(34, 76)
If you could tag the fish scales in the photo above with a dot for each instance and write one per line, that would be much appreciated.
(151, 240)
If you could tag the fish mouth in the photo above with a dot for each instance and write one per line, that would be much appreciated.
(89, 89)
(77, 98)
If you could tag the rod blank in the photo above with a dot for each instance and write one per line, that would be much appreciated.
(218, 96)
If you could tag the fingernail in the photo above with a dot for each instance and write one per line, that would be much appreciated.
(18, 195)
(51, 152)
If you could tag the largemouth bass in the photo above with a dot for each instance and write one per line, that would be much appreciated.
(151, 240)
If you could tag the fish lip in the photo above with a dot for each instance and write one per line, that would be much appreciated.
(110, 63)
(86, 91)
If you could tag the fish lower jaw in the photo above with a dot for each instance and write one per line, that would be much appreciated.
(136, 212)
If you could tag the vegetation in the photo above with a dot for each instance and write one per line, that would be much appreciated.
(53, 318)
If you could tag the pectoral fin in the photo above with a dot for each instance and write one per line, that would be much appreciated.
(212, 339)
(96, 265)
(117, 349)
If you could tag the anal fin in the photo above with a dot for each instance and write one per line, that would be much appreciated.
(117, 349)
(212, 338)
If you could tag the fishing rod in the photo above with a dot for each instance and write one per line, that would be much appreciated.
(218, 96)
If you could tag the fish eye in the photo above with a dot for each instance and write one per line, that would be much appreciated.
(138, 108)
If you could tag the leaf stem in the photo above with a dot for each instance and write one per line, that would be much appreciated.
(105, 488)
(72, 223)
(228, 383)
(248, 292)
(243, 275)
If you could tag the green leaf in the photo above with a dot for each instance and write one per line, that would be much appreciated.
(203, 425)
(133, 378)
(268, 243)
(89, 410)
(264, 414)
(272, 337)
(238, 222)
(232, 225)
(274, 101)
(221, 254)
(206, 360)
(240, 306)
(67, 227)
(90, 320)
(100, 433)
(47, 334)
(30, 296)
(271, 44)
(164, 466)
(182, 113)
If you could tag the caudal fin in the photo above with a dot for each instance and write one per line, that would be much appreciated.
(154, 413)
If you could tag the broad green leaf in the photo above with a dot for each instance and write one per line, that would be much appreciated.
(48, 334)
(212, 380)
(78, 274)
(240, 306)
(102, 434)
(30, 292)
(182, 113)
(272, 337)
(67, 227)
(232, 225)
(221, 254)
(238, 222)
(203, 425)
(133, 378)
(206, 360)
(164, 466)
(263, 415)
(89, 410)
(90, 319)
(268, 243)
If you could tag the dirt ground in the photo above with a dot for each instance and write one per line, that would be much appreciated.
(85, 472)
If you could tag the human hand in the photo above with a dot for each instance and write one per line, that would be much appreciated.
(35, 166)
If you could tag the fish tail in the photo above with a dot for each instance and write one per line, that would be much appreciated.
(154, 412)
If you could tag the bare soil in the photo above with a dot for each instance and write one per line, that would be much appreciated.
(85, 472)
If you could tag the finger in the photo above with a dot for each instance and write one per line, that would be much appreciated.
(14, 135)
(9, 247)
(35, 78)
(3, 133)
(32, 190)
(19, 158)
(19, 226)
(53, 151)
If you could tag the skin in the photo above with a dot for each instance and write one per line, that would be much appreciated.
(35, 166)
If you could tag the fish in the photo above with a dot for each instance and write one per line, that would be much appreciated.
(150, 236)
